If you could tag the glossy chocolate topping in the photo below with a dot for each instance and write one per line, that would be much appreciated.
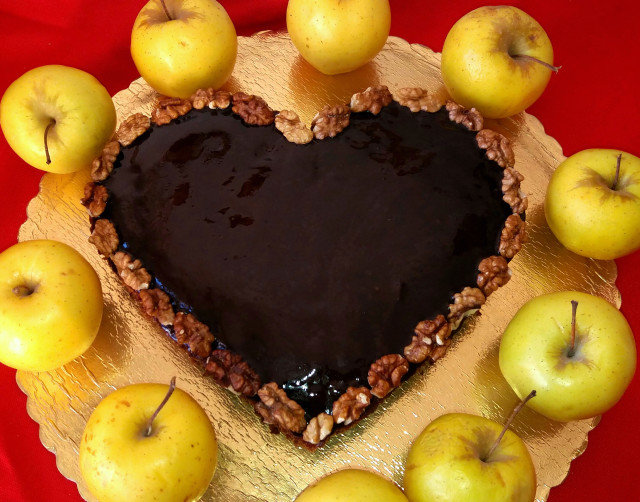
(310, 261)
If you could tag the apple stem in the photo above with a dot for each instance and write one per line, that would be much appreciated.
(166, 11)
(172, 387)
(574, 309)
(51, 123)
(531, 58)
(617, 177)
(509, 420)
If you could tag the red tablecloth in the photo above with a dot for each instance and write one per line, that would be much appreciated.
(593, 102)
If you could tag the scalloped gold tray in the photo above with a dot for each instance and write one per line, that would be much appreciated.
(255, 465)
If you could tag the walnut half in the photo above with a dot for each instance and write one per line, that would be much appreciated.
(512, 194)
(102, 166)
(104, 237)
(290, 125)
(351, 405)
(252, 109)
(191, 332)
(417, 99)
(318, 429)
(494, 272)
(514, 235)
(95, 199)
(277, 409)
(168, 109)
(156, 304)
(386, 374)
(371, 100)
(330, 121)
(229, 370)
(469, 118)
(468, 299)
(132, 127)
(431, 340)
(210, 98)
(497, 146)
(131, 271)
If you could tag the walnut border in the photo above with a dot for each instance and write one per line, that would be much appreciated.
(431, 338)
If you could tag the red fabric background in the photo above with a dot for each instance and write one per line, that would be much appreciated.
(593, 102)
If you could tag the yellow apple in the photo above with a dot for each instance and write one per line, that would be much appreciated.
(352, 485)
(489, 61)
(338, 36)
(452, 461)
(573, 380)
(180, 46)
(591, 210)
(50, 305)
(68, 107)
(121, 459)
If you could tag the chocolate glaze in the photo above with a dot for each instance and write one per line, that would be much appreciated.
(310, 261)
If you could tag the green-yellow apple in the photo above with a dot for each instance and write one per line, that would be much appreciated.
(461, 457)
(593, 203)
(497, 60)
(338, 36)
(577, 373)
(50, 305)
(352, 485)
(148, 442)
(57, 118)
(180, 46)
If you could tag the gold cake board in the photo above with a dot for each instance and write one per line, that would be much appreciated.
(255, 465)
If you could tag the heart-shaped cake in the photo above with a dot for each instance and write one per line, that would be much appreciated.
(309, 269)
